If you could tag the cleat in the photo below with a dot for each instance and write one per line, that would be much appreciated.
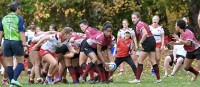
(40, 80)
(81, 79)
(135, 81)
(158, 81)
(57, 80)
(31, 81)
(16, 83)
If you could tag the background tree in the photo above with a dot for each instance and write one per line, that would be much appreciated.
(70, 12)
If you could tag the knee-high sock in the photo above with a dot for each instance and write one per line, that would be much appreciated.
(83, 66)
(98, 71)
(91, 73)
(107, 75)
(10, 72)
(139, 71)
(88, 68)
(18, 70)
(195, 72)
(72, 72)
(79, 70)
(103, 78)
(156, 69)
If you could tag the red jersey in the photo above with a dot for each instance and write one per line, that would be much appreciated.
(123, 47)
(139, 27)
(189, 36)
(101, 39)
(90, 32)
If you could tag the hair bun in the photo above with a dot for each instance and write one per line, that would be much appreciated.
(106, 25)
(107, 22)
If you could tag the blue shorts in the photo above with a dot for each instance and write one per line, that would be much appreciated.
(12, 48)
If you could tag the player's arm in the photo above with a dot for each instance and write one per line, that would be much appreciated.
(99, 53)
(110, 57)
(174, 53)
(135, 42)
(71, 49)
(22, 30)
(42, 40)
(1, 32)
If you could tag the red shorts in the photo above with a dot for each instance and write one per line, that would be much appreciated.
(25, 62)
(44, 52)
(31, 46)
(158, 45)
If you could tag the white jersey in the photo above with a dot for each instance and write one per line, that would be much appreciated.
(157, 32)
(121, 33)
(30, 34)
(180, 50)
(53, 43)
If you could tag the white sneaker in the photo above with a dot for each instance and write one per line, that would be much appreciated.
(158, 81)
(134, 81)
(16, 83)
(11, 85)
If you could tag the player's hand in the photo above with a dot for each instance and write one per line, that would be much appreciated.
(141, 48)
(136, 48)
(106, 65)
(175, 37)
(172, 42)
(24, 45)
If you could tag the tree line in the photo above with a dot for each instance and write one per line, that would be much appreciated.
(70, 12)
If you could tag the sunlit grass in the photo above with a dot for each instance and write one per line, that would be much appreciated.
(180, 80)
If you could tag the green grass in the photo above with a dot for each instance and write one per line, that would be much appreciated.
(181, 80)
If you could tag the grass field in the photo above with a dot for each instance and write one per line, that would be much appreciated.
(147, 80)
(180, 80)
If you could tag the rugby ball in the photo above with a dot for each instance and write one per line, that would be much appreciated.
(112, 66)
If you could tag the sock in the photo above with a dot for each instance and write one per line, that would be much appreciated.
(18, 71)
(83, 66)
(79, 70)
(106, 75)
(72, 72)
(103, 78)
(88, 68)
(156, 70)
(195, 72)
(139, 71)
(97, 70)
(91, 72)
(10, 72)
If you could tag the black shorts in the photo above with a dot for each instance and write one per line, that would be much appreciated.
(86, 48)
(76, 56)
(149, 44)
(172, 58)
(82, 43)
(63, 49)
(194, 55)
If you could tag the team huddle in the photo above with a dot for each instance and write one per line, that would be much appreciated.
(90, 54)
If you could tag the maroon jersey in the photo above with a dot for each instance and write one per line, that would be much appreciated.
(90, 32)
(101, 39)
(189, 36)
(139, 27)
